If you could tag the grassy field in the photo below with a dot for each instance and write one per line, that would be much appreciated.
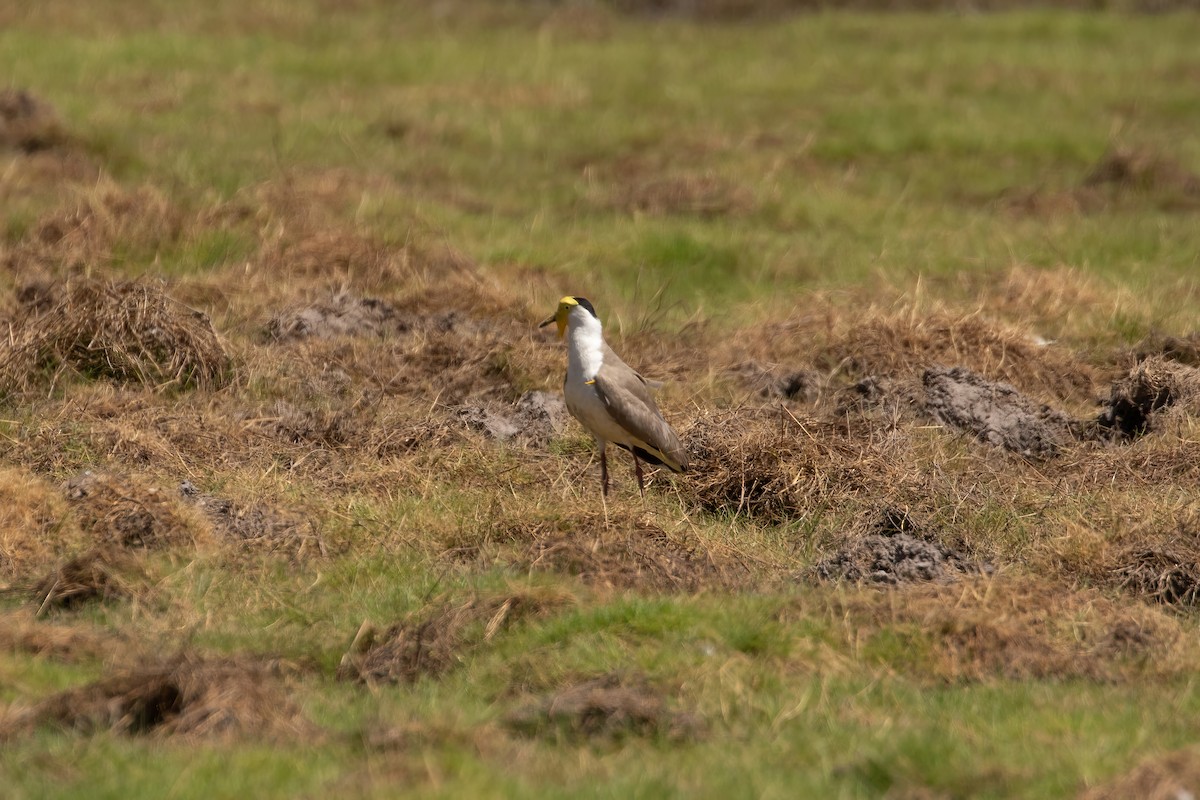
(287, 505)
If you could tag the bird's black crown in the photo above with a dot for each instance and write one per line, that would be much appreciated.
(585, 303)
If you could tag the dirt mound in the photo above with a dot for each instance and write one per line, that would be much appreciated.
(624, 553)
(124, 331)
(28, 123)
(1151, 386)
(183, 697)
(895, 550)
(124, 511)
(433, 642)
(994, 412)
(256, 524)
(608, 707)
(1172, 776)
(343, 315)
(535, 419)
(772, 466)
(97, 574)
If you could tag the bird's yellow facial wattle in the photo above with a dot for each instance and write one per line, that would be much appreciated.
(560, 316)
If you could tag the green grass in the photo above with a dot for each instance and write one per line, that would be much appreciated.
(869, 155)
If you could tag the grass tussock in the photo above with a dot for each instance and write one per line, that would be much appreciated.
(430, 643)
(125, 331)
(188, 697)
(772, 466)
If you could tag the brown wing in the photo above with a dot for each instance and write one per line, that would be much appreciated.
(627, 398)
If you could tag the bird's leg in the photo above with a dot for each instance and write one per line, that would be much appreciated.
(637, 468)
(604, 470)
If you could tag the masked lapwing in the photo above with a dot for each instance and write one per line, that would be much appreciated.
(610, 399)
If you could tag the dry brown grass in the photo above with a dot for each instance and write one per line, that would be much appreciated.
(125, 511)
(903, 345)
(432, 642)
(772, 466)
(23, 632)
(86, 234)
(121, 330)
(185, 696)
(34, 527)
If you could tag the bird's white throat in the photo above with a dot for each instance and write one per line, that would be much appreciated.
(585, 345)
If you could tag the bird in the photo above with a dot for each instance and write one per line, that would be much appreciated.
(609, 398)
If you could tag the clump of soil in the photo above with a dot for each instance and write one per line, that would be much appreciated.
(611, 706)
(1173, 776)
(622, 553)
(1150, 387)
(994, 412)
(536, 418)
(123, 331)
(28, 123)
(343, 315)
(256, 524)
(121, 510)
(895, 550)
(188, 697)
(94, 575)
(432, 643)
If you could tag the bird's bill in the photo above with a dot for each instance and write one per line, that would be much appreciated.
(558, 317)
